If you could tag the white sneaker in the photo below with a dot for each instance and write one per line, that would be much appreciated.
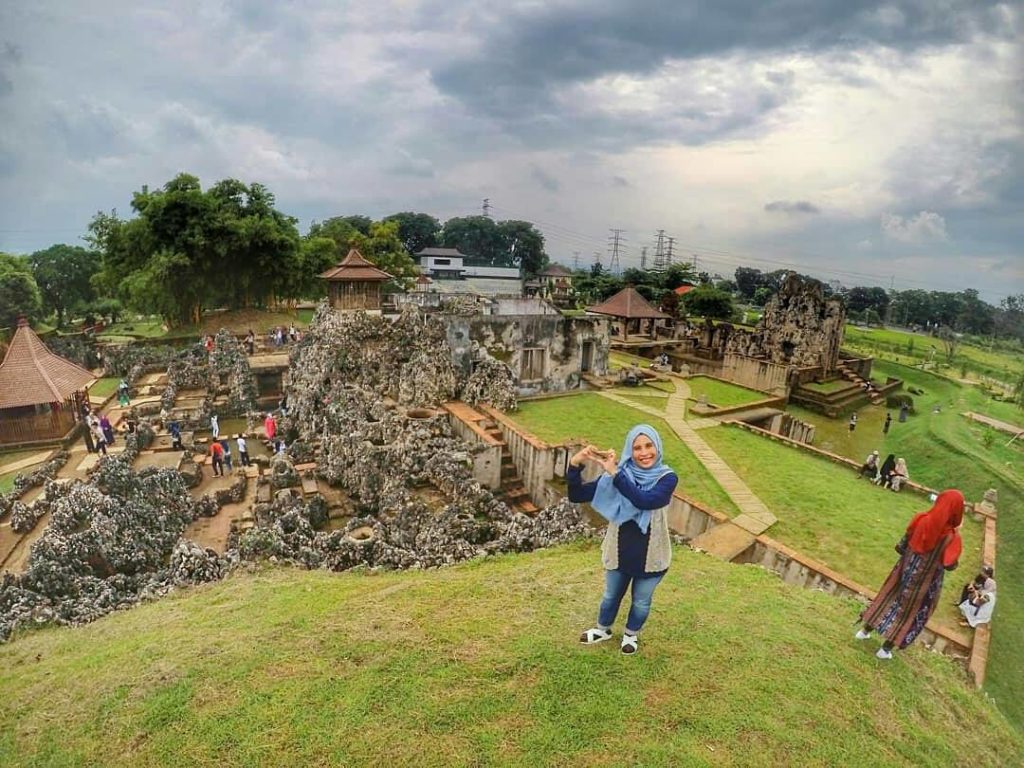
(863, 634)
(630, 644)
(883, 654)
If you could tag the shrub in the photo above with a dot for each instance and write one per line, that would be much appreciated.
(899, 400)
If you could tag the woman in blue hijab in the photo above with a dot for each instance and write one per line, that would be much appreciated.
(632, 494)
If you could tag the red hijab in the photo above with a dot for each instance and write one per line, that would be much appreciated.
(927, 530)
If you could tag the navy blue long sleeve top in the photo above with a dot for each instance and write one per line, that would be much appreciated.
(632, 541)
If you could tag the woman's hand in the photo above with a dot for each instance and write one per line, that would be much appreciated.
(582, 455)
(608, 462)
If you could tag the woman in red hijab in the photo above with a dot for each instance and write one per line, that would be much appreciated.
(930, 547)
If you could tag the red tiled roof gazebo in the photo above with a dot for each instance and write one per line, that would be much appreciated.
(354, 283)
(632, 309)
(40, 393)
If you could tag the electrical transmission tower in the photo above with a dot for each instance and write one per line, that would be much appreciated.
(659, 252)
(668, 254)
(487, 207)
(643, 257)
(597, 258)
(575, 260)
(616, 240)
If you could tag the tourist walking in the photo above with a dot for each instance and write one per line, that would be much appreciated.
(108, 429)
(214, 426)
(217, 458)
(98, 437)
(90, 445)
(123, 394)
(930, 547)
(887, 424)
(250, 342)
(853, 422)
(175, 429)
(243, 450)
(632, 494)
(270, 426)
(904, 412)
(227, 454)
(208, 343)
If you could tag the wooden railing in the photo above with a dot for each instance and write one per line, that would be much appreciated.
(43, 426)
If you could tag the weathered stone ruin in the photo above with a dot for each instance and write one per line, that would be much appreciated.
(799, 327)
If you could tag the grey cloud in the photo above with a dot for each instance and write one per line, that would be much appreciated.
(545, 179)
(90, 130)
(407, 165)
(521, 61)
(792, 207)
(620, 181)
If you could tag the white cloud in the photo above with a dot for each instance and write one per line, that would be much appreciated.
(925, 227)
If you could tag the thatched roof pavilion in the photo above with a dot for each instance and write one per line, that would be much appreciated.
(41, 393)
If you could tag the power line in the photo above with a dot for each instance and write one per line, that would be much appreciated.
(615, 239)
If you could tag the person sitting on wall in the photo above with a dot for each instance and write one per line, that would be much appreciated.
(900, 475)
(870, 467)
(885, 471)
(978, 599)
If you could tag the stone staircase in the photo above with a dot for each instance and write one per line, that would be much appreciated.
(850, 375)
(512, 491)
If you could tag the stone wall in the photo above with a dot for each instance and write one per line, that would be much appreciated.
(755, 374)
(558, 343)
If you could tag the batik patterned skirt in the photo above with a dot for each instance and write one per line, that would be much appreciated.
(907, 598)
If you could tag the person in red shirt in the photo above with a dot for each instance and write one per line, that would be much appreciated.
(217, 452)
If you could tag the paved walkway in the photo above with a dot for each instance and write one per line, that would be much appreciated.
(1002, 426)
(754, 517)
(17, 466)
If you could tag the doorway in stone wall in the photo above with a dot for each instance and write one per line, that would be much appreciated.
(588, 356)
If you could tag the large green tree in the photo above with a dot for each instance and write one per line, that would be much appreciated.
(708, 301)
(19, 294)
(416, 230)
(64, 274)
(385, 249)
(187, 249)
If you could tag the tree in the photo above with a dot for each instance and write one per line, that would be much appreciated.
(1018, 392)
(860, 299)
(678, 273)
(522, 246)
(63, 274)
(748, 280)
(19, 294)
(976, 316)
(475, 236)
(385, 249)
(763, 295)
(416, 230)
(708, 301)
(187, 249)
(950, 342)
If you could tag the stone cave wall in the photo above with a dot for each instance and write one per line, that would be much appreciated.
(504, 337)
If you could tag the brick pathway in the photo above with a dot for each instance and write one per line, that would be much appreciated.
(17, 466)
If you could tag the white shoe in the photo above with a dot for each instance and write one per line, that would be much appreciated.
(863, 634)
(630, 644)
(595, 635)
(883, 654)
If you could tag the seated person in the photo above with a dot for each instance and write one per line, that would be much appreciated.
(979, 599)
(870, 466)
(886, 470)
(899, 475)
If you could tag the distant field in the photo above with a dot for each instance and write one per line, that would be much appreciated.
(237, 321)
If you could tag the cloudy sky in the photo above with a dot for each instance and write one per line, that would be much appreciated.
(873, 143)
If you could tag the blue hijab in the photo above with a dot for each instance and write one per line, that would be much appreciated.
(611, 504)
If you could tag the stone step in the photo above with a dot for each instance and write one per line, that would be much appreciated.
(726, 541)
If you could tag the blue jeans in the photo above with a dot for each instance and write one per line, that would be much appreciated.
(615, 584)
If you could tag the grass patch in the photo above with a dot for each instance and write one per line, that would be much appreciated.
(310, 668)
(722, 393)
(826, 512)
(7, 481)
(827, 387)
(942, 450)
(649, 397)
(596, 419)
(104, 387)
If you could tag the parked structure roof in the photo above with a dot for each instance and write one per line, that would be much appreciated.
(355, 268)
(627, 303)
(33, 375)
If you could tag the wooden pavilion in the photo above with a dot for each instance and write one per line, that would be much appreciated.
(41, 394)
(355, 283)
(635, 314)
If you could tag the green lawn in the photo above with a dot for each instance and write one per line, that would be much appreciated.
(7, 481)
(827, 387)
(596, 419)
(722, 393)
(104, 387)
(479, 665)
(648, 396)
(826, 512)
(945, 449)
(916, 348)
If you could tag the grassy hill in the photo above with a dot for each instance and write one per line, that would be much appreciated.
(479, 665)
